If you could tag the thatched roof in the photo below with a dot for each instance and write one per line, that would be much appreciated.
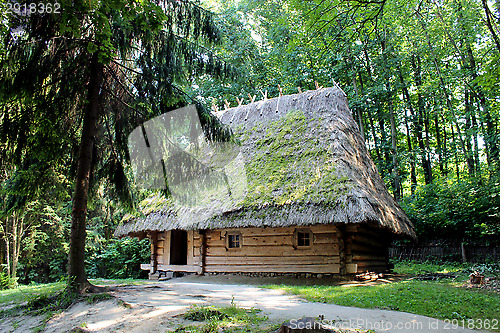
(305, 164)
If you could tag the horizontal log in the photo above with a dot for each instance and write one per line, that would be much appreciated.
(275, 251)
(178, 268)
(215, 234)
(194, 261)
(353, 228)
(375, 242)
(373, 229)
(280, 240)
(371, 263)
(376, 269)
(303, 260)
(365, 229)
(325, 238)
(159, 251)
(382, 235)
(324, 269)
(366, 257)
(364, 248)
(160, 243)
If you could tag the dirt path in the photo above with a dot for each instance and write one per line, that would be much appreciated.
(154, 308)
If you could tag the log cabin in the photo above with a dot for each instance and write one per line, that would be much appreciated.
(315, 202)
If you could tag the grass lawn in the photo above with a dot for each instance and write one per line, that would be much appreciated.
(24, 293)
(443, 299)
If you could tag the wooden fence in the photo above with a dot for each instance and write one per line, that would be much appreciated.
(469, 253)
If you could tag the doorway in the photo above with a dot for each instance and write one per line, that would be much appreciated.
(178, 247)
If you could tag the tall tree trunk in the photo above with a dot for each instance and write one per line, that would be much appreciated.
(419, 121)
(407, 99)
(392, 120)
(375, 139)
(438, 139)
(358, 109)
(427, 140)
(15, 245)
(468, 125)
(457, 164)
(7, 247)
(383, 137)
(372, 126)
(489, 24)
(77, 277)
(445, 145)
(476, 144)
(20, 234)
(395, 164)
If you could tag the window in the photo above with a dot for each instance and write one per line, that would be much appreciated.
(233, 240)
(303, 238)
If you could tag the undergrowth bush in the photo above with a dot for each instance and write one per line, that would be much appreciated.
(456, 211)
(119, 259)
(6, 282)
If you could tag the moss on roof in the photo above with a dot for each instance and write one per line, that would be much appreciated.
(290, 163)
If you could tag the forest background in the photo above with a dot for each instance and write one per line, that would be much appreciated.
(422, 81)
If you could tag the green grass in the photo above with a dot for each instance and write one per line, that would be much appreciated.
(25, 293)
(433, 299)
(108, 282)
(230, 318)
(415, 268)
(443, 299)
(463, 270)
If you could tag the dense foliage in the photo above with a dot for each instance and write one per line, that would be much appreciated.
(119, 259)
(46, 245)
(456, 211)
(422, 79)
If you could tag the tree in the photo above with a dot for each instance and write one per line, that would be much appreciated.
(95, 71)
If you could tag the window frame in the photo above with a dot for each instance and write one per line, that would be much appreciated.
(296, 238)
(228, 235)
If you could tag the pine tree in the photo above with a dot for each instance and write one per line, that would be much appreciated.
(89, 74)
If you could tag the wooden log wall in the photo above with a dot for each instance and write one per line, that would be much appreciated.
(335, 249)
(366, 248)
(270, 250)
